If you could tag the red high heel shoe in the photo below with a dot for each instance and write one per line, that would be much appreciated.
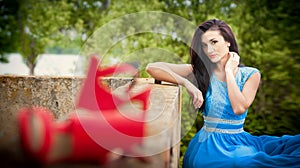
(82, 147)
(128, 129)
(36, 151)
(97, 96)
(93, 136)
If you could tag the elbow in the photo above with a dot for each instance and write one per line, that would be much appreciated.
(151, 68)
(239, 110)
(241, 107)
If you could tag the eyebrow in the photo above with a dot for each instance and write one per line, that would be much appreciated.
(210, 40)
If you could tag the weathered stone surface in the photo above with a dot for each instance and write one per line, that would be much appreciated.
(59, 95)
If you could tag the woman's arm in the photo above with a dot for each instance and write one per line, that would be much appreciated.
(173, 73)
(176, 73)
(240, 100)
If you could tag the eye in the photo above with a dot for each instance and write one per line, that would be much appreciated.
(214, 42)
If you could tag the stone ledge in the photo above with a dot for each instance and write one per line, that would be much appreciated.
(58, 94)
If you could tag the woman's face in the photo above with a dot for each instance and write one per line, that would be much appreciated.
(214, 45)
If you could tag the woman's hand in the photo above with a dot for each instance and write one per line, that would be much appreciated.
(195, 93)
(233, 62)
(176, 73)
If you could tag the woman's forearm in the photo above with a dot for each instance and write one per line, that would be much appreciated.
(162, 72)
(176, 74)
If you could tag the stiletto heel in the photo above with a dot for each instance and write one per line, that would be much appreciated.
(96, 96)
(143, 97)
(25, 118)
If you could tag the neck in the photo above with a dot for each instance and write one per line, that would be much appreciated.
(220, 66)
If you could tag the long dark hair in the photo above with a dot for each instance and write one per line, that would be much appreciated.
(202, 66)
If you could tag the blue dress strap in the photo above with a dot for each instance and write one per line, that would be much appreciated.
(246, 73)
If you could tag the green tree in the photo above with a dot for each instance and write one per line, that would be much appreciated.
(268, 41)
(8, 26)
(40, 23)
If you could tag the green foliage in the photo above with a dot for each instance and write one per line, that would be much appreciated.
(39, 24)
(8, 25)
(268, 41)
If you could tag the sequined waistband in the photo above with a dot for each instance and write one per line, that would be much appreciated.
(223, 121)
(223, 125)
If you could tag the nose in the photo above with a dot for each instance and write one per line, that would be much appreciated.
(210, 49)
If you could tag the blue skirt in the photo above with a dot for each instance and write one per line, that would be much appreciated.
(214, 149)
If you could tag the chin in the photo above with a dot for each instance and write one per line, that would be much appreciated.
(215, 60)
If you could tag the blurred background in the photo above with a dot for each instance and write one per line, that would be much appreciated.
(48, 37)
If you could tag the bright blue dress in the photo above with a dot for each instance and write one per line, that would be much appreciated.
(222, 142)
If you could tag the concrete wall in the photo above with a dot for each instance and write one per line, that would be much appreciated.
(59, 94)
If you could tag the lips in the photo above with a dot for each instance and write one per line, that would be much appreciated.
(212, 55)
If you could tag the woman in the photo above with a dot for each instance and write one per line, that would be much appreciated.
(225, 91)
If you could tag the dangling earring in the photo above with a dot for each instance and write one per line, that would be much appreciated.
(228, 45)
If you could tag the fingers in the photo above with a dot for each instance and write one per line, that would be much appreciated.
(198, 100)
(196, 95)
(234, 60)
(234, 56)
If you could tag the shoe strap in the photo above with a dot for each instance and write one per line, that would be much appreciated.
(116, 69)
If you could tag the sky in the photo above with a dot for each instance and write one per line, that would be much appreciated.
(47, 65)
